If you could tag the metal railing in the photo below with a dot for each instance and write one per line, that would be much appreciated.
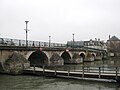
(17, 42)
(112, 72)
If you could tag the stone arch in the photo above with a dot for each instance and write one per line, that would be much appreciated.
(93, 55)
(66, 57)
(82, 56)
(28, 54)
(38, 58)
(82, 53)
(65, 51)
(47, 54)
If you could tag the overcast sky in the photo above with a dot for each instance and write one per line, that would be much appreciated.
(87, 19)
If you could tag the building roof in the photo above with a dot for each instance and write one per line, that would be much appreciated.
(114, 38)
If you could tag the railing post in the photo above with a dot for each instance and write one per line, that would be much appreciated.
(116, 77)
(74, 68)
(19, 42)
(88, 69)
(39, 44)
(33, 44)
(11, 42)
(103, 69)
(99, 72)
(55, 70)
(43, 69)
(68, 71)
(83, 72)
(34, 68)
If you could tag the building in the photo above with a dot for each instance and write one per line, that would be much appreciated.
(96, 44)
(113, 46)
(75, 44)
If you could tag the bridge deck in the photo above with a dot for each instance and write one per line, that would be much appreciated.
(110, 76)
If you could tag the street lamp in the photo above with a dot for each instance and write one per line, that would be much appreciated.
(73, 39)
(49, 40)
(26, 33)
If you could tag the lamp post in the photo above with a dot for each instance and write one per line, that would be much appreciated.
(49, 40)
(26, 33)
(73, 39)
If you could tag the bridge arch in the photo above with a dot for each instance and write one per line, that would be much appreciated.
(82, 55)
(38, 58)
(66, 57)
(28, 54)
(94, 55)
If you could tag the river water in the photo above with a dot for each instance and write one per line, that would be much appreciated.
(28, 82)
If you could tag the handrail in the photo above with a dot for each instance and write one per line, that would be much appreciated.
(83, 68)
(18, 42)
(68, 73)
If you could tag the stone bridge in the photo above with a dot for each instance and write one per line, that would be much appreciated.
(52, 56)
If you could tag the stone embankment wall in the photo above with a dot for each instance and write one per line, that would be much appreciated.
(15, 64)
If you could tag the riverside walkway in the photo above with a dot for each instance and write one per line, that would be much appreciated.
(105, 74)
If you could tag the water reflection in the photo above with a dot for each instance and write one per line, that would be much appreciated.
(44, 83)
(25, 82)
(106, 63)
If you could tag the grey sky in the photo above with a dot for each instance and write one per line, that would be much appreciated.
(87, 19)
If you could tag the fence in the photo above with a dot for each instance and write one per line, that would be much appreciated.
(17, 42)
(80, 71)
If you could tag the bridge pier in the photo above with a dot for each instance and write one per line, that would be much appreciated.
(13, 62)
(4, 54)
(56, 59)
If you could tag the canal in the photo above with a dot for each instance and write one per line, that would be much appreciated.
(28, 82)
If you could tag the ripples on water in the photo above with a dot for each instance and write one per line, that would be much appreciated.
(24, 82)
(44, 83)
